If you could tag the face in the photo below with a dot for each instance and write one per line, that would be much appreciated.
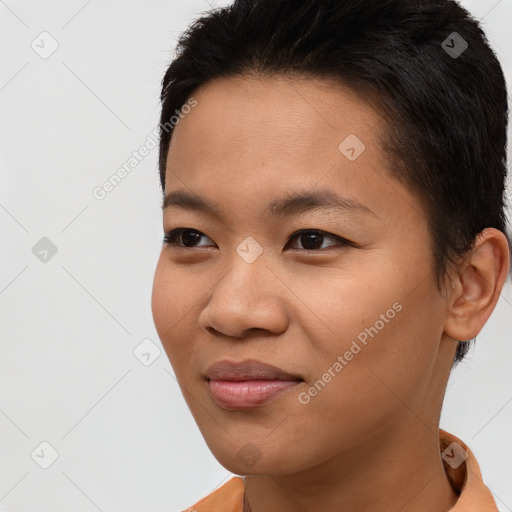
(342, 297)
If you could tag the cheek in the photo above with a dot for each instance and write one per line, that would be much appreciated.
(161, 299)
(385, 324)
(173, 296)
(176, 297)
(168, 297)
(388, 352)
(339, 313)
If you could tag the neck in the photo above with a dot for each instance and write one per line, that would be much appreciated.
(402, 470)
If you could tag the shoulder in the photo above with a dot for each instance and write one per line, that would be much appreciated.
(227, 498)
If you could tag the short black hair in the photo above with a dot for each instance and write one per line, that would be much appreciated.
(425, 65)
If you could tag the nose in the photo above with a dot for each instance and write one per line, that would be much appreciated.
(246, 298)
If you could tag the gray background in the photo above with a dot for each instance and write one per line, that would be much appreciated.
(69, 325)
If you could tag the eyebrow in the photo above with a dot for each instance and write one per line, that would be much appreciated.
(293, 204)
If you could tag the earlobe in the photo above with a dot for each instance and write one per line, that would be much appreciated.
(479, 284)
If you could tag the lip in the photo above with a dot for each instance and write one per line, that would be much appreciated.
(250, 369)
(247, 384)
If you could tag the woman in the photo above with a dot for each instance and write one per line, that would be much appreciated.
(333, 176)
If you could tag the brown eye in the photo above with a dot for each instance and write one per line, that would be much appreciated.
(183, 237)
(312, 240)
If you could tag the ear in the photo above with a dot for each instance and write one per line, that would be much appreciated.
(477, 286)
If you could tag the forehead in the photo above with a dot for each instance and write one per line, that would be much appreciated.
(290, 118)
(262, 137)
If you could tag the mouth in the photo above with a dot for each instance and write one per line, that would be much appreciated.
(247, 384)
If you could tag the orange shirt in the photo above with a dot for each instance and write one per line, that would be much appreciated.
(465, 477)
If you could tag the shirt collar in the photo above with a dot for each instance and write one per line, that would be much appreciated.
(464, 474)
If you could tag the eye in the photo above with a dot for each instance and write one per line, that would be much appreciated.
(311, 239)
(188, 237)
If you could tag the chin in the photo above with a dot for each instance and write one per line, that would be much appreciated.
(247, 459)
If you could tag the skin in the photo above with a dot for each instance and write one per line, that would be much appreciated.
(369, 439)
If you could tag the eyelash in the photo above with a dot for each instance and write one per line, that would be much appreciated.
(171, 237)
